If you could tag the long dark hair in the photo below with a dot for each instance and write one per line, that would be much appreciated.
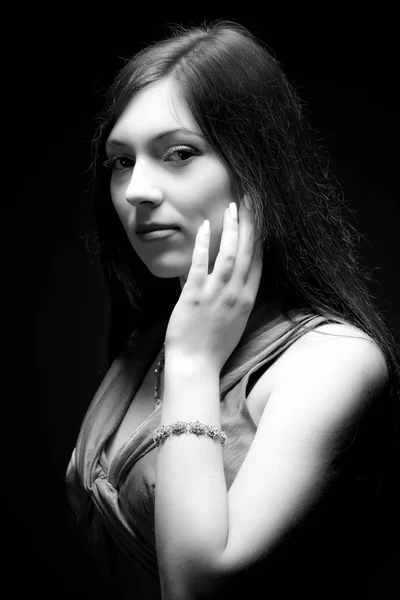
(254, 120)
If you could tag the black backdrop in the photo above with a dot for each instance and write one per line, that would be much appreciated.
(58, 316)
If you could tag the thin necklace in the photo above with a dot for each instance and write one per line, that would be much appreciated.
(158, 369)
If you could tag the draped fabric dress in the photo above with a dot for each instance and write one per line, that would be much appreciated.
(114, 503)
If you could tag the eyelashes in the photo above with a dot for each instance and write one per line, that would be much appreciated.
(111, 163)
(183, 152)
(175, 154)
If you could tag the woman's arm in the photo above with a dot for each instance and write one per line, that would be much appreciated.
(205, 534)
(191, 512)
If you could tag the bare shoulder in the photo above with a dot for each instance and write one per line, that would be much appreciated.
(334, 355)
(333, 345)
(332, 330)
(323, 385)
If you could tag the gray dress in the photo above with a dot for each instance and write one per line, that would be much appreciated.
(114, 504)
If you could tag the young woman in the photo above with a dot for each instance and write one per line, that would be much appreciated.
(238, 442)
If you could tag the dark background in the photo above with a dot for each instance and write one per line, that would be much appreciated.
(58, 317)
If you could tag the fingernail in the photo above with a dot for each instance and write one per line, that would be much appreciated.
(233, 210)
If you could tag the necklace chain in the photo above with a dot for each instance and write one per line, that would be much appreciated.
(158, 369)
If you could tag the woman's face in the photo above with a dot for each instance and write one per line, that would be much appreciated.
(164, 172)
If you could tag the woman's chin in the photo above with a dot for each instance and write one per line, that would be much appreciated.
(167, 271)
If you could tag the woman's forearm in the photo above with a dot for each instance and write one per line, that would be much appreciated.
(191, 497)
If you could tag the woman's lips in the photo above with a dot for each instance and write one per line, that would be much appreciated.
(157, 234)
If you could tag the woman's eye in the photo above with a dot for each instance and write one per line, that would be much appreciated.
(176, 154)
(124, 162)
(180, 154)
(118, 163)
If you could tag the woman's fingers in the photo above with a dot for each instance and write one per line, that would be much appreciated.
(236, 265)
(198, 271)
(245, 249)
(236, 256)
(226, 258)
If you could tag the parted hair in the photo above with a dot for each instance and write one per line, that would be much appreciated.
(254, 120)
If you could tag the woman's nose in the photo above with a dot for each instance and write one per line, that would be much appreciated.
(142, 189)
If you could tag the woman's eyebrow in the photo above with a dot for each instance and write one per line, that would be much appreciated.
(159, 136)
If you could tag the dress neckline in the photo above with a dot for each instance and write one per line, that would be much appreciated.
(113, 403)
(148, 357)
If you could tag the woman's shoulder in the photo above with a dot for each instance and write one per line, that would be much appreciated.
(330, 339)
(333, 354)
(335, 328)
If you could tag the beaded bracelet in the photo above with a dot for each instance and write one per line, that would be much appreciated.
(179, 427)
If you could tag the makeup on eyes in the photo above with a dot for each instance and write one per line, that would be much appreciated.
(190, 151)
(184, 149)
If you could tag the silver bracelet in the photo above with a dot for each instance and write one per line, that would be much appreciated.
(179, 427)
